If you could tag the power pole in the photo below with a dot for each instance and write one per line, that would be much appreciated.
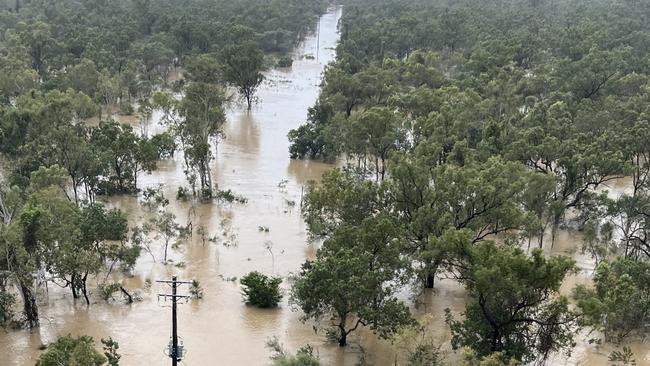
(175, 352)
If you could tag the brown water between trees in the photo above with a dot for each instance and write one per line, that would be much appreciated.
(220, 329)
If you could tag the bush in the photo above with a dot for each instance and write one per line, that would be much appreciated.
(126, 108)
(285, 61)
(107, 291)
(230, 197)
(183, 194)
(72, 351)
(304, 357)
(196, 290)
(165, 144)
(261, 290)
(425, 354)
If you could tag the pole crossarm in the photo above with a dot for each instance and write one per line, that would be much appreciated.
(172, 281)
(174, 296)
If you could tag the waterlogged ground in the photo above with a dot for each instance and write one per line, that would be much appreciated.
(219, 329)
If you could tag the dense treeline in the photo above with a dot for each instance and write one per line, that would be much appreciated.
(471, 131)
(63, 64)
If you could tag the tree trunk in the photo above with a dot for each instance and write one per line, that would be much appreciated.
(84, 289)
(166, 245)
(30, 308)
(73, 286)
(74, 187)
(128, 295)
(430, 280)
(376, 169)
(118, 174)
(431, 270)
(208, 174)
(135, 178)
(343, 339)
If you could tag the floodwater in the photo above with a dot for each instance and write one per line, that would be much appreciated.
(220, 329)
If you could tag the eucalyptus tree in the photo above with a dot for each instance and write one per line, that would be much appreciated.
(197, 119)
(354, 280)
(242, 68)
(619, 303)
(514, 306)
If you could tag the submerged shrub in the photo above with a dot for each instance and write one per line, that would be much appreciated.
(303, 357)
(285, 61)
(261, 290)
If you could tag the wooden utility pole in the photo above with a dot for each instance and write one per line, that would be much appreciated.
(175, 352)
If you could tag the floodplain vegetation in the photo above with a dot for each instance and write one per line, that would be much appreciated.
(467, 134)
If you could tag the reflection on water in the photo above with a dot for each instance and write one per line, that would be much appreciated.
(252, 160)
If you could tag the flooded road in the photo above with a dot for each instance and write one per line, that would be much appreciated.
(220, 329)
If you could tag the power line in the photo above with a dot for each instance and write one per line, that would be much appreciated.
(175, 351)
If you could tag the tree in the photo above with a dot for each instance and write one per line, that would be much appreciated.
(165, 227)
(242, 66)
(483, 198)
(37, 41)
(203, 119)
(514, 305)
(379, 131)
(74, 242)
(124, 154)
(353, 281)
(341, 199)
(619, 304)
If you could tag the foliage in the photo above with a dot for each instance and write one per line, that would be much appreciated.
(7, 302)
(514, 305)
(303, 357)
(625, 357)
(196, 290)
(469, 358)
(72, 351)
(230, 196)
(154, 198)
(110, 347)
(261, 290)
(425, 355)
(107, 291)
(165, 228)
(285, 61)
(353, 281)
(242, 66)
(620, 301)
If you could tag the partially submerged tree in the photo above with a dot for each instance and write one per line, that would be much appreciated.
(619, 304)
(353, 281)
(514, 305)
(197, 121)
(242, 67)
(165, 228)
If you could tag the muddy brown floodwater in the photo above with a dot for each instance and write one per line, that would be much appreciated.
(219, 329)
